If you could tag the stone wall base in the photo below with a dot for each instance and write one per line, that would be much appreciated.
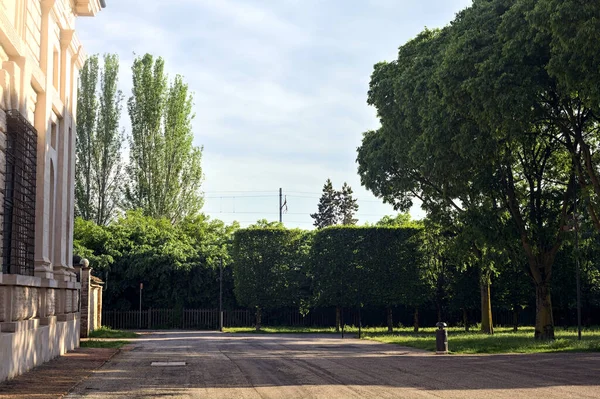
(27, 348)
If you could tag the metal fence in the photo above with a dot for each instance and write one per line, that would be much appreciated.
(208, 319)
(197, 319)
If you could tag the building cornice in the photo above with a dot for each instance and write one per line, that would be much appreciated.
(88, 8)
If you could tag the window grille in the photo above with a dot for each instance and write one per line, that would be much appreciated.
(19, 196)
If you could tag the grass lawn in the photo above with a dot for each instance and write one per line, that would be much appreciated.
(504, 340)
(107, 332)
(94, 343)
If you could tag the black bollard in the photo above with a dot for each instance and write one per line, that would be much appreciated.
(441, 339)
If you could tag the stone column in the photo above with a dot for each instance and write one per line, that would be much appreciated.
(43, 263)
(62, 269)
(99, 310)
(85, 301)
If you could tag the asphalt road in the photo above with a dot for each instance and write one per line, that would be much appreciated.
(323, 366)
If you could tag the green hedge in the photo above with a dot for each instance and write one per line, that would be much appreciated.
(335, 266)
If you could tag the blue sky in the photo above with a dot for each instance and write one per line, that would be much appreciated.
(279, 86)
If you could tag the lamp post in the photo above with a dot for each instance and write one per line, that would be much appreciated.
(577, 269)
(140, 314)
(221, 293)
(574, 225)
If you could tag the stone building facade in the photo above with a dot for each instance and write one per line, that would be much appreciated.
(40, 57)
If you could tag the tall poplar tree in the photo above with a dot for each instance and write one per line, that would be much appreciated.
(107, 151)
(87, 109)
(98, 144)
(164, 170)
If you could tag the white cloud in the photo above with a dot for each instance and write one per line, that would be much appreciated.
(280, 87)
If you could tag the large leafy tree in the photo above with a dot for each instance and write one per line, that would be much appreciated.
(165, 167)
(391, 161)
(98, 145)
(460, 132)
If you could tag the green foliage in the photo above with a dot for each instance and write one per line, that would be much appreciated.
(265, 224)
(269, 266)
(179, 265)
(400, 220)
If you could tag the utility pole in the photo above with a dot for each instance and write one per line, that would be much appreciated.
(221, 294)
(280, 206)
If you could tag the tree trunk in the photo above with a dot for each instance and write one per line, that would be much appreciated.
(515, 318)
(544, 320)
(466, 320)
(390, 320)
(337, 319)
(541, 270)
(416, 320)
(258, 318)
(487, 325)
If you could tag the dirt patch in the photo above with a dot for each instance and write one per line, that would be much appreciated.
(57, 377)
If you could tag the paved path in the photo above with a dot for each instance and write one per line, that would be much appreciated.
(320, 366)
(55, 378)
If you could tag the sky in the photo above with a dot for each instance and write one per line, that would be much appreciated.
(280, 89)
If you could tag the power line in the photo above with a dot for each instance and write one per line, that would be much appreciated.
(288, 213)
(311, 194)
(240, 191)
(275, 195)
(287, 221)
(241, 196)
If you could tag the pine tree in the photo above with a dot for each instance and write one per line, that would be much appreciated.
(328, 214)
(347, 206)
